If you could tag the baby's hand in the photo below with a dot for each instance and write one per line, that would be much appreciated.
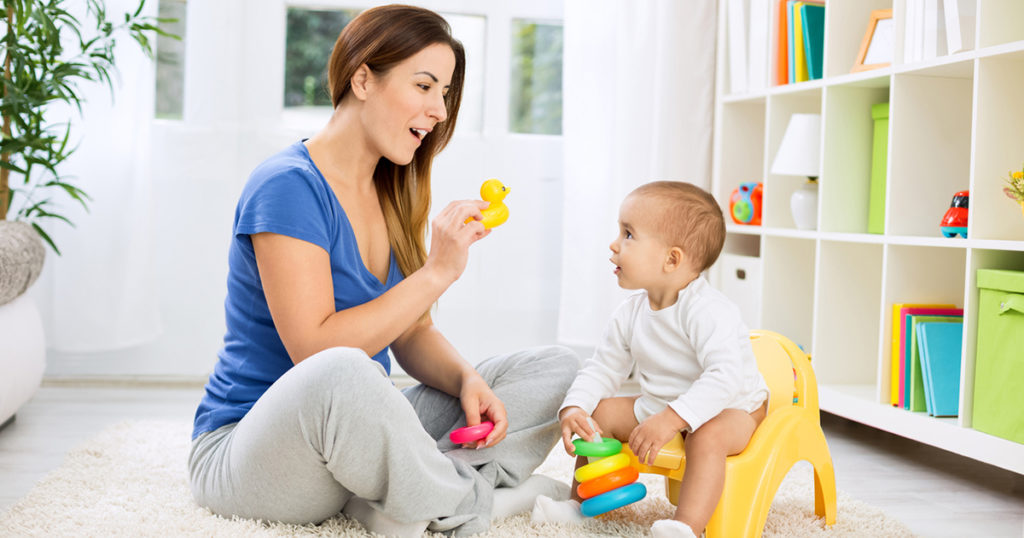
(647, 439)
(575, 420)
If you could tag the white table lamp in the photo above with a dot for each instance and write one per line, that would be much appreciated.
(799, 154)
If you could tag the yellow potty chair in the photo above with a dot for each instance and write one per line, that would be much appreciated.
(790, 432)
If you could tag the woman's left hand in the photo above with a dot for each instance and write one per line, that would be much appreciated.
(479, 402)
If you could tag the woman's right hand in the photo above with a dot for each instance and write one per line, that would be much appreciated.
(575, 420)
(451, 235)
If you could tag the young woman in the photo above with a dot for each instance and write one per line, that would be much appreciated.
(328, 269)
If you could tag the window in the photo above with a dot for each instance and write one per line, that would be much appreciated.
(309, 39)
(170, 61)
(471, 31)
(535, 92)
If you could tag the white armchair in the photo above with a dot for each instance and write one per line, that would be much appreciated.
(22, 354)
(22, 346)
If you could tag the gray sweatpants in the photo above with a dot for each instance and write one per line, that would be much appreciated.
(334, 426)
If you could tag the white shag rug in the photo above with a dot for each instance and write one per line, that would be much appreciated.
(130, 480)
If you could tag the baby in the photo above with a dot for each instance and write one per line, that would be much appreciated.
(696, 368)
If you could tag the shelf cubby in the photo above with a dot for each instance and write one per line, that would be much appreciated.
(845, 24)
(788, 302)
(778, 189)
(845, 185)
(743, 154)
(1000, 127)
(846, 330)
(999, 22)
(929, 147)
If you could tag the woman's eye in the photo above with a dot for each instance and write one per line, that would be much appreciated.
(424, 87)
(629, 235)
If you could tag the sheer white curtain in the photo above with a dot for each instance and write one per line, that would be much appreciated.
(638, 81)
(100, 295)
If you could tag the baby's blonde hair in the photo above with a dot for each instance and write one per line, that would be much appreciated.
(687, 217)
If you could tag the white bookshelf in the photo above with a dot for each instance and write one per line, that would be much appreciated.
(956, 122)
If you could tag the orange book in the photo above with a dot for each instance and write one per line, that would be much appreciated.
(781, 46)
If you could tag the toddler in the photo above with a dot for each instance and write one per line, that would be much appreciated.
(696, 368)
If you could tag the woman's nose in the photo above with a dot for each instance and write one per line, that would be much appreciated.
(438, 109)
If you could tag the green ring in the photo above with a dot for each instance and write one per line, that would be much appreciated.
(607, 447)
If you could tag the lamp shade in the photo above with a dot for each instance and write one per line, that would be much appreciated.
(800, 151)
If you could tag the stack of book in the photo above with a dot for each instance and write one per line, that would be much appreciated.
(926, 345)
(800, 40)
(937, 27)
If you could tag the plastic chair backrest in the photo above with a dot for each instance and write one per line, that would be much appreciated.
(776, 368)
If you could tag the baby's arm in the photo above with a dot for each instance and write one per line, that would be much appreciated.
(604, 372)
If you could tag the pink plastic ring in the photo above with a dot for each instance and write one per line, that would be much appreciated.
(471, 433)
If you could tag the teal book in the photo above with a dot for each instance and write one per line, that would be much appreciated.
(813, 38)
(940, 345)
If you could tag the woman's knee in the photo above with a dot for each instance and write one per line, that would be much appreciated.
(340, 365)
(559, 362)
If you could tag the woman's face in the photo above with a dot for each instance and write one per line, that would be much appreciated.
(403, 105)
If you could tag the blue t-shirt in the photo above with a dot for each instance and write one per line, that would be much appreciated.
(286, 195)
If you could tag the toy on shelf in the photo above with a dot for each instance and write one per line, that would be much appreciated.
(955, 220)
(496, 214)
(745, 203)
(468, 434)
(609, 482)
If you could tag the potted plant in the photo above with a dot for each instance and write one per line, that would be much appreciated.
(47, 49)
(1015, 187)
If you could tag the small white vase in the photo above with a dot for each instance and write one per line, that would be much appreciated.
(804, 205)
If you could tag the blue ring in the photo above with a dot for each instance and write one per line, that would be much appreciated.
(616, 498)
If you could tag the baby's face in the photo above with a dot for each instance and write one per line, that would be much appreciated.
(638, 252)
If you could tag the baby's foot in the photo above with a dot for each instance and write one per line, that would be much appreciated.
(670, 528)
(548, 510)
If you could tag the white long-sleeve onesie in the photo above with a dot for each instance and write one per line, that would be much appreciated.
(694, 356)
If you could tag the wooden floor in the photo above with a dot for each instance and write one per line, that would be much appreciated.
(935, 493)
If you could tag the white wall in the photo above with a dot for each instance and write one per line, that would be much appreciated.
(507, 299)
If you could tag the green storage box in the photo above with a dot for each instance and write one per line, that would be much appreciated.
(879, 161)
(999, 364)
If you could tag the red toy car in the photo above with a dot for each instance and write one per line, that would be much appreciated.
(955, 220)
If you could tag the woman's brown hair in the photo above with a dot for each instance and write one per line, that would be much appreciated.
(382, 37)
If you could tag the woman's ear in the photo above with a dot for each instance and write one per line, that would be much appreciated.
(359, 82)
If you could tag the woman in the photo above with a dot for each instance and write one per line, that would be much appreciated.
(328, 269)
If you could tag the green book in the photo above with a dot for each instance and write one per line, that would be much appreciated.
(879, 160)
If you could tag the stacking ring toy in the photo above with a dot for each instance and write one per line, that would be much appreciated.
(607, 447)
(608, 482)
(469, 434)
(601, 467)
(616, 498)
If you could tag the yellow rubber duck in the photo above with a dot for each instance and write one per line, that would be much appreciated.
(496, 214)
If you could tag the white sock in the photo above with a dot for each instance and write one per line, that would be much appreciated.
(508, 501)
(548, 510)
(670, 528)
(376, 521)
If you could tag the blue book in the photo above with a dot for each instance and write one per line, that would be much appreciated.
(940, 344)
(814, 38)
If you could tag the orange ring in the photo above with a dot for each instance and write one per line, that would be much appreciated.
(607, 482)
